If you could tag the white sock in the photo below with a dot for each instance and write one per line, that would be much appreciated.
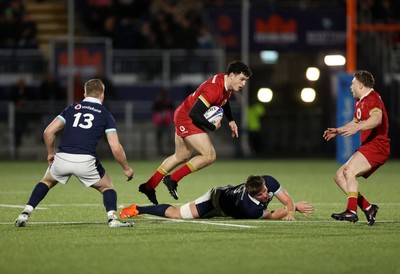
(28, 209)
(112, 215)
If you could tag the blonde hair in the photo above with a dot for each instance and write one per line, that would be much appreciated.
(94, 88)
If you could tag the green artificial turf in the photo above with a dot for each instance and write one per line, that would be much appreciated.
(68, 232)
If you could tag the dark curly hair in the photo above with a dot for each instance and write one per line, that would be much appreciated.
(238, 67)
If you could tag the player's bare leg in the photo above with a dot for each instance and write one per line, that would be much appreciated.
(183, 151)
(346, 178)
(201, 143)
(205, 149)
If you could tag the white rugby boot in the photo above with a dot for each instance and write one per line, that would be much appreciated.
(22, 219)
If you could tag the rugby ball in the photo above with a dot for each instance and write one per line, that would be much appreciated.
(214, 114)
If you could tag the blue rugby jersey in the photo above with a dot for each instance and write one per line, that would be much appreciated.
(237, 203)
(85, 123)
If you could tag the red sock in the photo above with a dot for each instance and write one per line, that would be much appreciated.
(183, 171)
(352, 201)
(362, 202)
(154, 180)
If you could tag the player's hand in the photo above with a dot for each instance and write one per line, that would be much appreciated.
(330, 133)
(129, 173)
(50, 158)
(289, 216)
(305, 208)
(234, 129)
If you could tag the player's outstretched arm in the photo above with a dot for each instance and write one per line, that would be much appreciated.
(119, 154)
(284, 197)
(304, 208)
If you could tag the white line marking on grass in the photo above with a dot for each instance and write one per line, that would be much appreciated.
(19, 206)
(201, 222)
(57, 223)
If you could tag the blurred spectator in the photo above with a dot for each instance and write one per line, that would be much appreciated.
(255, 112)
(50, 89)
(16, 28)
(163, 118)
(147, 38)
(20, 95)
(9, 29)
(204, 38)
(27, 32)
(145, 24)
(185, 33)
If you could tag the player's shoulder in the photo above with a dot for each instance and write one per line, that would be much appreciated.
(217, 79)
(373, 99)
(271, 183)
(374, 95)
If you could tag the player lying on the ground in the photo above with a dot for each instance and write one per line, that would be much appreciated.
(245, 201)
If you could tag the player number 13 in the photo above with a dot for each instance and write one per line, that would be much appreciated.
(87, 121)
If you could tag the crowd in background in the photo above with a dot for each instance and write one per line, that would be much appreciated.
(17, 30)
(155, 24)
(145, 24)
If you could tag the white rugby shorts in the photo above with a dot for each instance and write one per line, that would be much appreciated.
(86, 168)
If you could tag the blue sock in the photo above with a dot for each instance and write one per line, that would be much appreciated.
(110, 200)
(38, 193)
(158, 210)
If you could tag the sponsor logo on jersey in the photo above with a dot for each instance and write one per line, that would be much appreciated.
(92, 109)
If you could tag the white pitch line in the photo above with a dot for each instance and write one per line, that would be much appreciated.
(201, 222)
(204, 222)
(19, 206)
(57, 223)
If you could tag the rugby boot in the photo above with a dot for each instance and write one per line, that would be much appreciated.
(172, 186)
(118, 223)
(371, 214)
(151, 194)
(22, 219)
(128, 212)
(346, 215)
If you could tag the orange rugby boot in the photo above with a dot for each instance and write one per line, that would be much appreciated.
(128, 212)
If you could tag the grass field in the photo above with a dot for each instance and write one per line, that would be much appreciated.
(68, 231)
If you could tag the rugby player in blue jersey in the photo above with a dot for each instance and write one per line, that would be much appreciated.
(249, 200)
(83, 124)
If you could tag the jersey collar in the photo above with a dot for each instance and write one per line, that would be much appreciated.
(257, 202)
(366, 94)
(92, 100)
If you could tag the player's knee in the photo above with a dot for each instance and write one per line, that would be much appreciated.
(337, 178)
(173, 213)
(210, 158)
(348, 173)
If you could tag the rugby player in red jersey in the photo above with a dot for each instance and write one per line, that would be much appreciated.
(190, 129)
(371, 119)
